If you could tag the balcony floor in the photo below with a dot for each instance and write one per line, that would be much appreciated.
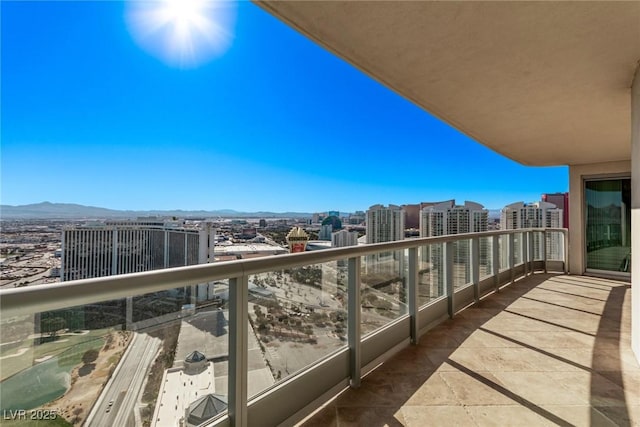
(549, 350)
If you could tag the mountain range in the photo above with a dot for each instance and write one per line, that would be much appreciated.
(48, 210)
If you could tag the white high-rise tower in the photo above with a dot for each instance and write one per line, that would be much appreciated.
(536, 215)
(448, 218)
(385, 224)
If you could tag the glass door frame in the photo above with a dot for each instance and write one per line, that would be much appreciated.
(594, 271)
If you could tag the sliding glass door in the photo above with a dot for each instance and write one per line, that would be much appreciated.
(608, 225)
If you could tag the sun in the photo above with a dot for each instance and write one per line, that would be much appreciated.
(183, 33)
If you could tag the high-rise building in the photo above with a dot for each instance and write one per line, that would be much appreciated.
(530, 215)
(561, 200)
(448, 218)
(334, 221)
(536, 215)
(385, 224)
(118, 247)
(108, 248)
(412, 212)
(325, 232)
(412, 215)
(344, 238)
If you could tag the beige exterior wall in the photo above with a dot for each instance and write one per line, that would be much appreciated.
(577, 175)
(635, 215)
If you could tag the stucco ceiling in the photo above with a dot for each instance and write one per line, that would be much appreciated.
(544, 83)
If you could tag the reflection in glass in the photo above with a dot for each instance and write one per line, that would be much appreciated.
(297, 316)
(517, 249)
(154, 357)
(608, 224)
(430, 283)
(383, 289)
(486, 250)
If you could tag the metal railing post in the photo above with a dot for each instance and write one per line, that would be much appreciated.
(495, 264)
(238, 349)
(353, 330)
(565, 242)
(512, 256)
(448, 276)
(475, 268)
(129, 313)
(532, 255)
(544, 249)
(525, 252)
(412, 284)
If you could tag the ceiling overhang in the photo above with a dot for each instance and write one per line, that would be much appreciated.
(543, 83)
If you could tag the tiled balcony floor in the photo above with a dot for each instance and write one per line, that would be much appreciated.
(548, 350)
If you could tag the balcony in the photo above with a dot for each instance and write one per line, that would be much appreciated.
(471, 328)
(550, 350)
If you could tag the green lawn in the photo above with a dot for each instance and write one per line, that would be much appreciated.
(12, 365)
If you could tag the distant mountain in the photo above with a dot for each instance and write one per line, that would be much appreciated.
(48, 210)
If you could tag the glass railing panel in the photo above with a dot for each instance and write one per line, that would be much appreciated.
(485, 246)
(461, 263)
(518, 256)
(383, 288)
(538, 241)
(147, 360)
(555, 250)
(430, 285)
(297, 316)
(504, 252)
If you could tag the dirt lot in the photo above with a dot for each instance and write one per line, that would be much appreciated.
(88, 380)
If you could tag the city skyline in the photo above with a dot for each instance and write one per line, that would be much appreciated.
(48, 210)
(273, 123)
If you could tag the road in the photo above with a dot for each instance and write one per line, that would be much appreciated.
(125, 385)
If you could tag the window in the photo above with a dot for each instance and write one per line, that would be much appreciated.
(608, 224)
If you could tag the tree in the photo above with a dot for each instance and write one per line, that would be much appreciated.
(53, 325)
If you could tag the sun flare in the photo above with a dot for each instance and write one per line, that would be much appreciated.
(184, 33)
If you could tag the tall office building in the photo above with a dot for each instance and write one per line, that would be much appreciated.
(119, 247)
(536, 215)
(108, 248)
(448, 218)
(385, 224)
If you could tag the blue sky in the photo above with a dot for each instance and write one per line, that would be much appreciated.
(91, 116)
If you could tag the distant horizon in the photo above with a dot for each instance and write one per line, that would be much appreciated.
(250, 210)
(93, 114)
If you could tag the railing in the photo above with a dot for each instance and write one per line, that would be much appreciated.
(316, 321)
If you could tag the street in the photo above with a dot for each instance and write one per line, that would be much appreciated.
(125, 385)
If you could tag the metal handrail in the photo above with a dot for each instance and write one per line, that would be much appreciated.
(27, 300)
(53, 296)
